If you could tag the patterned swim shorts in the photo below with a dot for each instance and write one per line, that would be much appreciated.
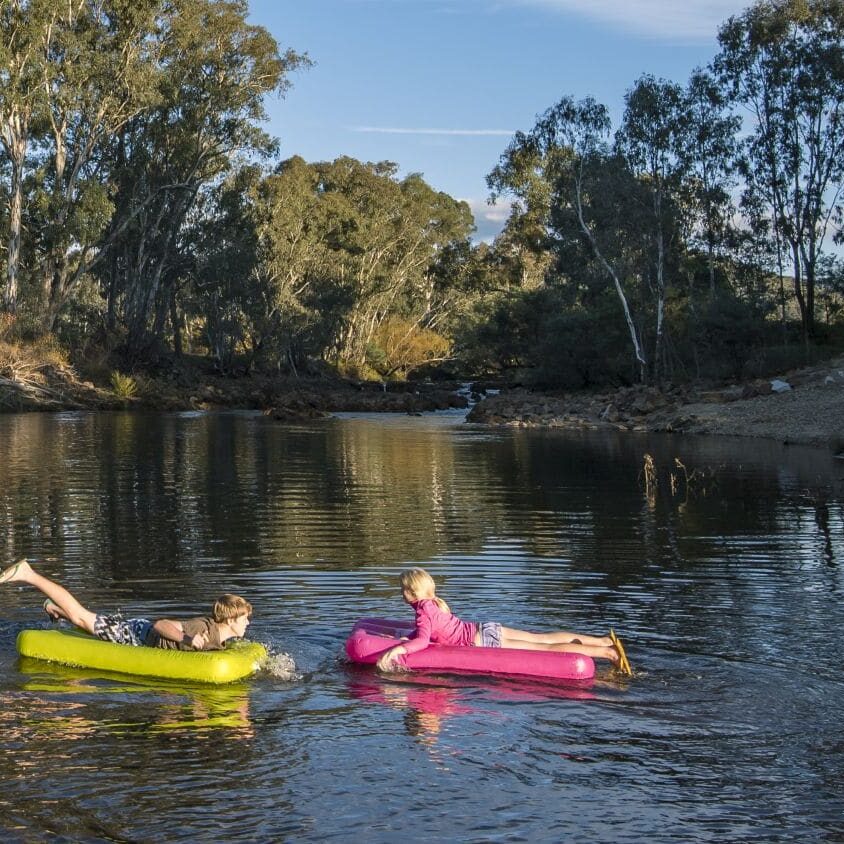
(121, 631)
(490, 634)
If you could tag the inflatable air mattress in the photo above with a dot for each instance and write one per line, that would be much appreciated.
(238, 660)
(370, 637)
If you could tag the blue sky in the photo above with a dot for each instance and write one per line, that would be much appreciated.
(439, 86)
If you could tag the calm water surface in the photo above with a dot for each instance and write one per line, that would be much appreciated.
(727, 589)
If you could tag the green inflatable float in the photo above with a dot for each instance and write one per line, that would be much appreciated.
(236, 661)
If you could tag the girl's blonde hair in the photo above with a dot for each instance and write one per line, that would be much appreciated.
(421, 585)
(228, 607)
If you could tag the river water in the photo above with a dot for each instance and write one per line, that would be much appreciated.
(727, 588)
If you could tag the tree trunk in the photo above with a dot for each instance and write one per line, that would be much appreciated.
(660, 291)
(809, 279)
(798, 290)
(176, 325)
(10, 298)
(631, 326)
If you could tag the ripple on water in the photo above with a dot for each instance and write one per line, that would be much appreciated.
(728, 600)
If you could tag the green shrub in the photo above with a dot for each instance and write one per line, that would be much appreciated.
(123, 386)
(400, 346)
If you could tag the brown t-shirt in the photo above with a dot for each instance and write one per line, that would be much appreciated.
(191, 626)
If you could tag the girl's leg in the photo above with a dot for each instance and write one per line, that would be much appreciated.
(559, 637)
(595, 651)
(66, 604)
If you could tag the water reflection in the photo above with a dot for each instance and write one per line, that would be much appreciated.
(147, 494)
(727, 594)
(167, 706)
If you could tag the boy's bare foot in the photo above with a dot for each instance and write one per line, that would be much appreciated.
(16, 572)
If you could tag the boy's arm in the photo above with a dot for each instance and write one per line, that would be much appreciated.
(173, 630)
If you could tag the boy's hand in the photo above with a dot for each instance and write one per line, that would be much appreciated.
(199, 641)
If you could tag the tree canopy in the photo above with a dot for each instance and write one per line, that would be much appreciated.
(145, 207)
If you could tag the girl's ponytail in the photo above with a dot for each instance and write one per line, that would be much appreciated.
(442, 605)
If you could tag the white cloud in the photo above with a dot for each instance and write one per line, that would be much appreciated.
(688, 20)
(391, 130)
(694, 20)
(489, 219)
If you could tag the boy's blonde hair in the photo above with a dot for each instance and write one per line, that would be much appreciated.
(227, 607)
(421, 585)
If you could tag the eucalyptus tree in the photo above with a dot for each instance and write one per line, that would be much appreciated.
(344, 246)
(261, 248)
(784, 62)
(212, 273)
(98, 73)
(649, 140)
(24, 41)
(563, 168)
(215, 71)
(300, 270)
(708, 149)
(385, 236)
(390, 231)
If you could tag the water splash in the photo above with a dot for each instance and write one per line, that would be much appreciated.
(281, 666)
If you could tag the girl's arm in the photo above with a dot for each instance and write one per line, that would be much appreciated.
(419, 640)
(173, 630)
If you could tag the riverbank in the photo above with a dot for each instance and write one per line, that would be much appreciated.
(804, 406)
(54, 386)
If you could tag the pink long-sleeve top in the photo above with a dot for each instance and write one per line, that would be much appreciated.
(436, 625)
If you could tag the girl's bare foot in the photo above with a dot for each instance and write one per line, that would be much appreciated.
(16, 572)
(622, 663)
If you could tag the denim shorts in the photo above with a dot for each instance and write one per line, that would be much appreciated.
(122, 631)
(490, 632)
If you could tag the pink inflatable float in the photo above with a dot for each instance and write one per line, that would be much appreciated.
(370, 637)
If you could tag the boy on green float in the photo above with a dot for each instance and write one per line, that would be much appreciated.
(229, 618)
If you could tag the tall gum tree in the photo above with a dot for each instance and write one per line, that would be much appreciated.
(216, 70)
(25, 33)
(565, 149)
(648, 139)
(99, 72)
(784, 62)
(708, 148)
(344, 246)
(387, 233)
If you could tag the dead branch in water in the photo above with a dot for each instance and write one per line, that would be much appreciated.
(681, 480)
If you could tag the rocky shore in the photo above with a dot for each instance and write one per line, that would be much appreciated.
(804, 406)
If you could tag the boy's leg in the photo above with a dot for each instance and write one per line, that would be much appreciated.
(558, 637)
(68, 606)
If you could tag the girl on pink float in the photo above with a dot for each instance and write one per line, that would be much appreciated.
(435, 623)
